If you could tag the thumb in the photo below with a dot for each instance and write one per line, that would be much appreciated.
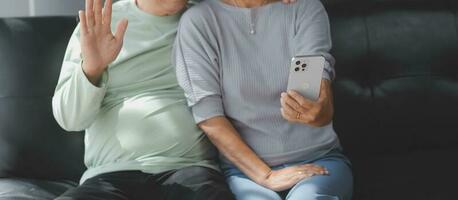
(121, 30)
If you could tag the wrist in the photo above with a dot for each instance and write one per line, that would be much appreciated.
(93, 73)
(263, 179)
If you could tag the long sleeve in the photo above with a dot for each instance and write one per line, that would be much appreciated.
(197, 69)
(76, 101)
(313, 34)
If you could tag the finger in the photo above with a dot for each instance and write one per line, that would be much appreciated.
(308, 169)
(312, 167)
(121, 30)
(288, 99)
(290, 112)
(302, 177)
(316, 167)
(83, 24)
(98, 12)
(287, 116)
(89, 13)
(319, 169)
(314, 172)
(107, 12)
(296, 177)
(322, 169)
(307, 116)
(286, 106)
(326, 172)
(306, 103)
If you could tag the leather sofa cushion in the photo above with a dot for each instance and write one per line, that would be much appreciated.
(28, 189)
(397, 75)
(32, 145)
(424, 174)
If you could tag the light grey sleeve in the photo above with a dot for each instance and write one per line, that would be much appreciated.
(197, 68)
(76, 102)
(313, 34)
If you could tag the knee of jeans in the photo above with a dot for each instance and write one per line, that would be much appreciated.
(256, 195)
(313, 197)
(245, 189)
(311, 192)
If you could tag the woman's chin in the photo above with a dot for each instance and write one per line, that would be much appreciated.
(175, 11)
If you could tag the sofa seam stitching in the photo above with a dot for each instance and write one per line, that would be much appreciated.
(368, 54)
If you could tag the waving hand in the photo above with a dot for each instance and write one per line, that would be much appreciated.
(98, 44)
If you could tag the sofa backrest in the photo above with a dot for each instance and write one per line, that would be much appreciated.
(32, 145)
(396, 87)
(397, 74)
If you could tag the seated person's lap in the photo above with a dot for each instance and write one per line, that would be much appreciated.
(338, 185)
(193, 182)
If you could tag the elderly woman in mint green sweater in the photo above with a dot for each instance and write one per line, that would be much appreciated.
(141, 142)
(232, 59)
(140, 139)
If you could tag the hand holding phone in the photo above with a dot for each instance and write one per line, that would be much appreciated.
(305, 76)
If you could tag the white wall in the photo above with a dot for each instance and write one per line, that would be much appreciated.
(22, 8)
(14, 8)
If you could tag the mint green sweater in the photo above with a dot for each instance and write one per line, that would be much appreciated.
(137, 119)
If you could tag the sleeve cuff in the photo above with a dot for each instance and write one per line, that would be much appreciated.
(207, 108)
(87, 84)
(328, 72)
(82, 75)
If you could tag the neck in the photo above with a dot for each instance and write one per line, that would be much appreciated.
(248, 3)
(160, 8)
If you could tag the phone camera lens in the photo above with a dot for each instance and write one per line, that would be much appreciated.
(298, 62)
(304, 65)
(296, 69)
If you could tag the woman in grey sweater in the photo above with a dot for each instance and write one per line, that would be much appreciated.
(232, 59)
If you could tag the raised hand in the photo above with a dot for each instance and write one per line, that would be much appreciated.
(286, 178)
(98, 44)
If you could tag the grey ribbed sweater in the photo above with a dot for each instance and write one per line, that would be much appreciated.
(227, 71)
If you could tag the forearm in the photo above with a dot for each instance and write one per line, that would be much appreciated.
(231, 145)
(76, 101)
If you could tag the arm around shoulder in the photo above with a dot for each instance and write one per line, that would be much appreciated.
(199, 75)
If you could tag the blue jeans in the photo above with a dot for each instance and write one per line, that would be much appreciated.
(338, 185)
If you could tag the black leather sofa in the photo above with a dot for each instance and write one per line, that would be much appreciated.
(396, 101)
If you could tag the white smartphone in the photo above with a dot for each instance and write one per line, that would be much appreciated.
(305, 76)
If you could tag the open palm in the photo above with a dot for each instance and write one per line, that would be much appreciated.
(98, 44)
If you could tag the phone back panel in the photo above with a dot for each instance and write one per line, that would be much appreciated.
(305, 75)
